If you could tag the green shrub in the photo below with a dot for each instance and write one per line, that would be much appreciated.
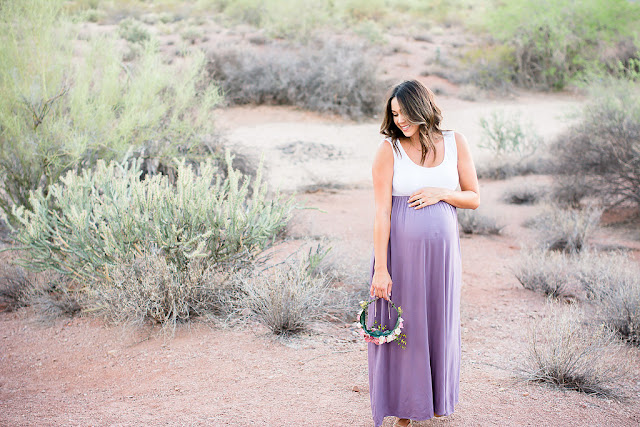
(58, 114)
(91, 221)
(133, 31)
(569, 352)
(512, 144)
(333, 78)
(555, 42)
(599, 155)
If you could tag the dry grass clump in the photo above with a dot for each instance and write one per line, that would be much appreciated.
(550, 273)
(613, 284)
(285, 297)
(523, 195)
(151, 290)
(566, 230)
(336, 78)
(569, 352)
(16, 289)
(474, 222)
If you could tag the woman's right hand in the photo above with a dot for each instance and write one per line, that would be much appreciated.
(381, 284)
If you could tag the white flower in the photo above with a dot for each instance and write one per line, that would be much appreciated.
(382, 340)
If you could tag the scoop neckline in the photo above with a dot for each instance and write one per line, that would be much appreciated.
(427, 167)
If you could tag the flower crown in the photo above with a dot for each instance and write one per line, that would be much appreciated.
(379, 334)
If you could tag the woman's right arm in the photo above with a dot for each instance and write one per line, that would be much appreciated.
(382, 172)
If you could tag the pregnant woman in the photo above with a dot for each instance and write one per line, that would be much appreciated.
(421, 174)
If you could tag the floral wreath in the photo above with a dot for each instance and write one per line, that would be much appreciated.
(379, 334)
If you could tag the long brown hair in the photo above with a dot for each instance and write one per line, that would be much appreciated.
(418, 106)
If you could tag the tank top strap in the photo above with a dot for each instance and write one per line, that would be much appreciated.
(451, 149)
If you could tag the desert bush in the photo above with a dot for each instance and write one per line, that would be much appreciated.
(89, 222)
(133, 31)
(474, 222)
(566, 230)
(16, 289)
(149, 289)
(612, 281)
(555, 42)
(334, 78)
(526, 194)
(567, 351)
(512, 144)
(58, 114)
(285, 297)
(599, 155)
(548, 273)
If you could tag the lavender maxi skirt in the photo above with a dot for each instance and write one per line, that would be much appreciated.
(424, 263)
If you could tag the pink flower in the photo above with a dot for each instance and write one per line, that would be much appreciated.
(362, 333)
(401, 325)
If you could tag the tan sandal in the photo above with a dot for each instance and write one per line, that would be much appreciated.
(398, 425)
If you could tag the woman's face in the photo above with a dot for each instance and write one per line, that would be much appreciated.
(401, 121)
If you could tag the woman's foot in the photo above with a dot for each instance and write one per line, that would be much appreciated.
(402, 422)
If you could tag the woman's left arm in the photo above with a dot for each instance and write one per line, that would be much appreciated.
(468, 197)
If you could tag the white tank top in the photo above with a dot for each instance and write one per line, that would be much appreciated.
(408, 177)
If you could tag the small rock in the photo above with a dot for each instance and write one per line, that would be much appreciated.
(356, 389)
(526, 393)
(501, 389)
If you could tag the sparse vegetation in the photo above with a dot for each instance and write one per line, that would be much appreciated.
(474, 222)
(568, 351)
(566, 230)
(551, 44)
(336, 78)
(512, 145)
(55, 118)
(600, 155)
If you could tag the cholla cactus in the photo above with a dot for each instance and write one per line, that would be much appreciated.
(90, 221)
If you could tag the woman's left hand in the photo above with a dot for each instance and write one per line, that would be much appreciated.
(427, 196)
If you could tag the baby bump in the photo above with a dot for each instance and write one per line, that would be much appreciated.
(434, 222)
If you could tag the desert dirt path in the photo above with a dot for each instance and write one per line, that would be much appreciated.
(83, 372)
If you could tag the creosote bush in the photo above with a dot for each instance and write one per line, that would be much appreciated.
(568, 351)
(599, 155)
(552, 43)
(59, 114)
(335, 78)
(512, 144)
